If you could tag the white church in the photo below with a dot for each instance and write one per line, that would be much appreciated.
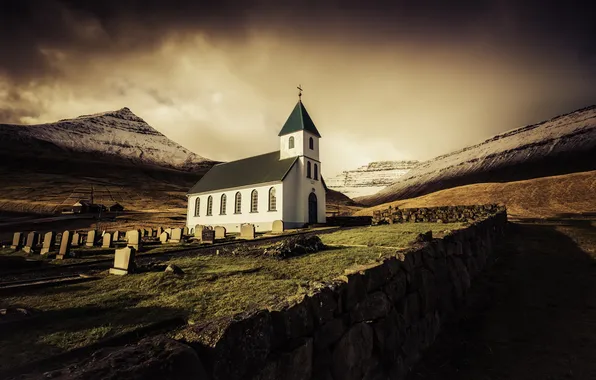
(283, 185)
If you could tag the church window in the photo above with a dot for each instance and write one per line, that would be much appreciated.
(238, 205)
(316, 171)
(222, 205)
(254, 201)
(308, 170)
(291, 142)
(272, 200)
(197, 206)
(209, 205)
(311, 143)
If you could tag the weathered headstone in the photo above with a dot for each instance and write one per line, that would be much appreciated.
(277, 227)
(91, 238)
(106, 242)
(185, 231)
(247, 231)
(49, 242)
(124, 261)
(151, 232)
(76, 239)
(176, 236)
(159, 231)
(17, 240)
(65, 244)
(115, 236)
(164, 237)
(208, 236)
(134, 239)
(32, 241)
(169, 231)
(198, 230)
(220, 232)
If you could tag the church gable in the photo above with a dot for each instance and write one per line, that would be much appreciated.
(249, 171)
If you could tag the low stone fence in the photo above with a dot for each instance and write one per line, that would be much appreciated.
(445, 214)
(372, 322)
(348, 221)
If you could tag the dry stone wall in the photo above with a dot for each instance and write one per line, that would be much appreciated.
(445, 214)
(373, 322)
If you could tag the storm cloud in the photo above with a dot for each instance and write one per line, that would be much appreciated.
(383, 80)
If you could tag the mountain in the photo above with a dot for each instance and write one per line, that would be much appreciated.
(371, 178)
(563, 144)
(545, 197)
(115, 135)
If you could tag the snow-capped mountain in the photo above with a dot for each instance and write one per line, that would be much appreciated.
(563, 144)
(115, 134)
(369, 179)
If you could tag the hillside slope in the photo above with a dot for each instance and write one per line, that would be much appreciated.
(114, 135)
(544, 197)
(564, 144)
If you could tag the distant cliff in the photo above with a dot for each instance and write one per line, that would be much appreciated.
(369, 179)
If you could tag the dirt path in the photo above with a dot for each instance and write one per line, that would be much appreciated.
(532, 317)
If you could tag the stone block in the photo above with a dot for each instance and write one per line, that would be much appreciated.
(164, 237)
(176, 235)
(376, 305)
(396, 288)
(277, 227)
(65, 244)
(76, 239)
(185, 231)
(291, 322)
(409, 308)
(294, 365)
(324, 306)
(329, 333)
(220, 232)
(106, 241)
(353, 291)
(352, 352)
(124, 261)
(49, 243)
(91, 238)
(134, 239)
(32, 242)
(208, 236)
(247, 231)
(199, 230)
(17, 240)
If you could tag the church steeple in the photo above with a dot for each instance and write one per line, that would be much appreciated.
(299, 137)
(299, 120)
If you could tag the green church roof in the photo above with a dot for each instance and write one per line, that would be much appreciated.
(299, 120)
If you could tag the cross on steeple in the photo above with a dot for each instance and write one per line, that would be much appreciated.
(299, 92)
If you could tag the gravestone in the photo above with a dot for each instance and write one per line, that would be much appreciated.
(115, 236)
(106, 242)
(124, 260)
(145, 232)
(65, 244)
(176, 236)
(49, 243)
(164, 237)
(32, 241)
(169, 231)
(134, 239)
(198, 230)
(91, 238)
(247, 231)
(185, 231)
(76, 239)
(277, 227)
(159, 231)
(220, 232)
(151, 232)
(208, 236)
(17, 240)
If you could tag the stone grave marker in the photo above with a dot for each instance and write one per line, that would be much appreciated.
(134, 239)
(159, 231)
(115, 236)
(208, 236)
(185, 231)
(106, 242)
(49, 243)
(17, 240)
(151, 232)
(176, 236)
(76, 239)
(220, 232)
(65, 244)
(198, 230)
(169, 231)
(124, 260)
(164, 237)
(247, 231)
(91, 238)
(277, 227)
(32, 241)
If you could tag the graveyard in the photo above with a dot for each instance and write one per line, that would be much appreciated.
(146, 279)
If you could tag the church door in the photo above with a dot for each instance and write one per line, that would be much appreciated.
(312, 208)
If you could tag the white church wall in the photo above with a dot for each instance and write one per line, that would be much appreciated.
(293, 209)
(307, 186)
(263, 219)
(301, 145)
(310, 153)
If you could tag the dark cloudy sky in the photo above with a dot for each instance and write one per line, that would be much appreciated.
(383, 80)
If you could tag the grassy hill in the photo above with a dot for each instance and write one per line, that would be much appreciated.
(545, 197)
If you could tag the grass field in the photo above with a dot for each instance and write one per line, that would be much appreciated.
(212, 286)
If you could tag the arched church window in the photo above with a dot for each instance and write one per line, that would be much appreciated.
(209, 205)
(238, 204)
(222, 205)
(272, 200)
(254, 201)
(316, 171)
(197, 206)
(311, 143)
(291, 142)
(308, 170)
